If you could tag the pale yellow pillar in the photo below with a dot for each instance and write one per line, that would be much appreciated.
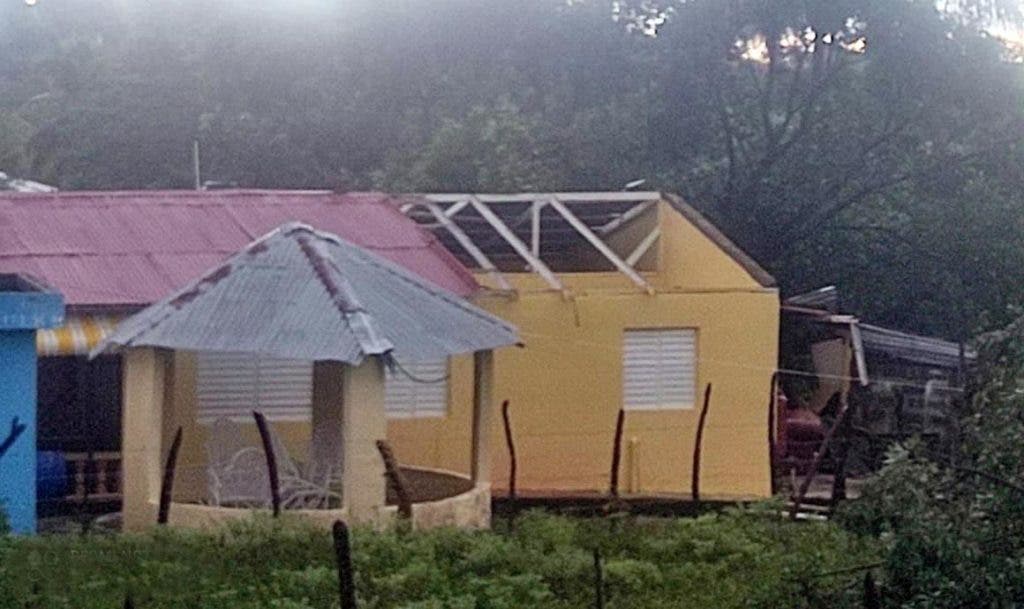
(363, 423)
(483, 409)
(326, 440)
(142, 431)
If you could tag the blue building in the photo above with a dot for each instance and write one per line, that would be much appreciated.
(25, 306)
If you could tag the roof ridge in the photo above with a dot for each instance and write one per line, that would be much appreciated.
(344, 298)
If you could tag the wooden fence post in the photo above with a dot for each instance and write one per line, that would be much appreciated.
(343, 556)
(773, 405)
(613, 488)
(872, 599)
(510, 442)
(395, 478)
(167, 484)
(697, 446)
(268, 450)
(598, 580)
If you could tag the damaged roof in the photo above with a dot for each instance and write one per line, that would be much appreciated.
(298, 293)
(913, 347)
(127, 249)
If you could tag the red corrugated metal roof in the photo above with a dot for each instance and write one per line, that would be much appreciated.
(131, 248)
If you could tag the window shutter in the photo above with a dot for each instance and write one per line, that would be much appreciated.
(407, 397)
(659, 369)
(232, 385)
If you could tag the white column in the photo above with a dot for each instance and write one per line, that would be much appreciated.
(363, 423)
(141, 439)
(483, 409)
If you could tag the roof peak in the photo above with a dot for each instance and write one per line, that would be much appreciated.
(300, 293)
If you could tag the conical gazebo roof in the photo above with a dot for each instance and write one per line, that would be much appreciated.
(303, 294)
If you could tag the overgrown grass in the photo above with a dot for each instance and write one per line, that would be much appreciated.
(737, 559)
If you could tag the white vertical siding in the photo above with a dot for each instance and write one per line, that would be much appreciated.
(417, 390)
(232, 385)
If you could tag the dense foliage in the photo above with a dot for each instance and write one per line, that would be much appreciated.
(734, 560)
(952, 525)
(871, 143)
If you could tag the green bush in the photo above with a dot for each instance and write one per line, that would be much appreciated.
(737, 559)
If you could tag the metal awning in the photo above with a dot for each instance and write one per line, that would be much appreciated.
(78, 336)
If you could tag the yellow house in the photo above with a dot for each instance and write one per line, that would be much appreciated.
(623, 300)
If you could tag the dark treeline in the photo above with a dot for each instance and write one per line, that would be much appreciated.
(875, 144)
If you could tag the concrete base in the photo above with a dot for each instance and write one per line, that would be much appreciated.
(468, 510)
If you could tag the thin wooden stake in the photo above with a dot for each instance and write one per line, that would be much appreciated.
(510, 442)
(268, 450)
(395, 478)
(167, 484)
(17, 428)
(698, 445)
(598, 580)
(816, 464)
(613, 488)
(872, 599)
(773, 405)
(343, 556)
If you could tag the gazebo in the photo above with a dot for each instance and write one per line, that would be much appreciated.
(300, 294)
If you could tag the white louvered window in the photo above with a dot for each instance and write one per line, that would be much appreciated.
(417, 390)
(659, 369)
(232, 385)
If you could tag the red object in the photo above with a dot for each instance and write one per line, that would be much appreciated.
(800, 432)
(126, 249)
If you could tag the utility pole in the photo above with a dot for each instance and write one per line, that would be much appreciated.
(195, 164)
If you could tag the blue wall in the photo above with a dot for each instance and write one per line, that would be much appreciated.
(18, 399)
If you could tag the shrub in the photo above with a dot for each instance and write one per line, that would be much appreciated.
(737, 559)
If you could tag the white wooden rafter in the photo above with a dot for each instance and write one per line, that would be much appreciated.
(467, 244)
(643, 247)
(521, 248)
(626, 217)
(599, 245)
(535, 208)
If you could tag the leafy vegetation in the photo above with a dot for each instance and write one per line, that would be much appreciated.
(951, 524)
(731, 560)
(838, 141)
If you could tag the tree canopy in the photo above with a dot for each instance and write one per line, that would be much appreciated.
(875, 144)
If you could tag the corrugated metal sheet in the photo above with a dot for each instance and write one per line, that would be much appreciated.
(301, 294)
(912, 347)
(128, 249)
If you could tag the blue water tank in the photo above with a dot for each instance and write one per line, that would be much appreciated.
(51, 475)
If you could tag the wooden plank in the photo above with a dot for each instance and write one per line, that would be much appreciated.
(643, 247)
(600, 246)
(467, 244)
(506, 233)
(535, 227)
(628, 216)
(454, 209)
(529, 197)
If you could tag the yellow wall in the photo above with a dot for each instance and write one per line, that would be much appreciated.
(565, 385)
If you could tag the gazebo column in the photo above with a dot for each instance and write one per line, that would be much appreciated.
(362, 424)
(483, 408)
(141, 437)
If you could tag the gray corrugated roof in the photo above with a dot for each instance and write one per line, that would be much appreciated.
(302, 294)
(912, 347)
